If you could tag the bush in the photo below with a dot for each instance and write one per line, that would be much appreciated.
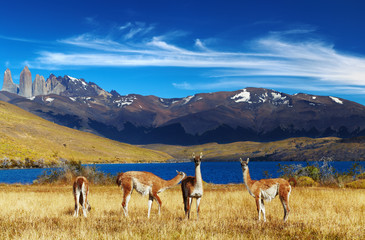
(355, 169)
(344, 179)
(358, 184)
(26, 163)
(361, 176)
(289, 171)
(310, 171)
(70, 170)
(320, 171)
(304, 181)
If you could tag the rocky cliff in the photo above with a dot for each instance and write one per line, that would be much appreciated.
(39, 86)
(66, 86)
(8, 84)
(25, 83)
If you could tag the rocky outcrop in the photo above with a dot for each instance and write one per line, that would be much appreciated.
(53, 85)
(25, 83)
(8, 84)
(100, 91)
(39, 86)
(65, 86)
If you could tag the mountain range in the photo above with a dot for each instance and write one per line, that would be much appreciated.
(254, 114)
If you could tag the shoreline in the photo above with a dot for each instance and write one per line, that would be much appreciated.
(176, 161)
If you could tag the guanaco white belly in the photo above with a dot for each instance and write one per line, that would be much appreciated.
(270, 193)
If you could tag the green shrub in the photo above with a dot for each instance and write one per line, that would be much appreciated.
(310, 171)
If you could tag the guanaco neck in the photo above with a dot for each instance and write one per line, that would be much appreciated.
(198, 176)
(247, 180)
(174, 181)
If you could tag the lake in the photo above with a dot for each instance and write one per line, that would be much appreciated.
(212, 172)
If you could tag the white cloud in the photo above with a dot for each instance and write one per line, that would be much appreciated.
(156, 42)
(270, 58)
(26, 40)
(125, 26)
(200, 45)
(184, 85)
(134, 29)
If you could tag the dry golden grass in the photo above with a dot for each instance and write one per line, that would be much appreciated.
(227, 212)
(25, 135)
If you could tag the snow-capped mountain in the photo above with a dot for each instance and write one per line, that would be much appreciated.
(249, 114)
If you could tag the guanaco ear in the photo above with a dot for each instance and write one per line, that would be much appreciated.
(241, 160)
(248, 160)
(193, 155)
(201, 155)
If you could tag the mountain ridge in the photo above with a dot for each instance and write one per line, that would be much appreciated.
(249, 114)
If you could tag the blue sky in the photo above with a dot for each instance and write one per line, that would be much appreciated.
(180, 48)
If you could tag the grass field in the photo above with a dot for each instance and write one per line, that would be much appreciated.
(24, 135)
(227, 212)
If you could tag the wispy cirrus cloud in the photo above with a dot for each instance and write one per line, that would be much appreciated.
(272, 57)
(135, 29)
(17, 39)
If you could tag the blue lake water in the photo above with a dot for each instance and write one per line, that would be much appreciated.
(212, 172)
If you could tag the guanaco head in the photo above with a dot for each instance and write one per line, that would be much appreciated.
(244, 164)
(197, 159)
(119, 179)
(182, 174)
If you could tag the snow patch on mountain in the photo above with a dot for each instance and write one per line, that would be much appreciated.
(187, 99)
(263, 98)
(274, 98)
(49, 100)
(278, 98)
(243, 96)
(336, 100)
(77, 81)
(125, 101)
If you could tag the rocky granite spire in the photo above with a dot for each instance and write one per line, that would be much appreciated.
(39, 86)
(25, 83)
(54, 85)
(8, 84)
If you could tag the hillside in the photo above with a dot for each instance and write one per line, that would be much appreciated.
(294, 149)
(24, 135)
